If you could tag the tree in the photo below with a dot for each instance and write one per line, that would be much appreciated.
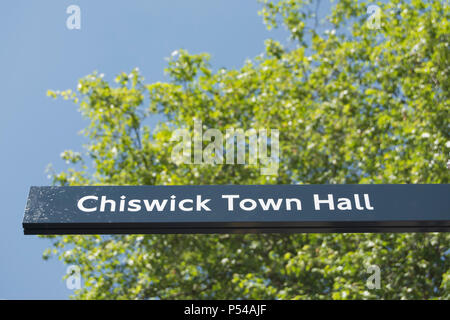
(353, 105)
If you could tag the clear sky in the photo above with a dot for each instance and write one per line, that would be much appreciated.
(38, 52)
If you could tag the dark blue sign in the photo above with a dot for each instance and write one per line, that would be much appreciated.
(237, 209)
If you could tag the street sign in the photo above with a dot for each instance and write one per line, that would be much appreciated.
(237, 209)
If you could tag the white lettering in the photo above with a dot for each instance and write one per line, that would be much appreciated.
(317, 202)
(230, 198)
(81, 206)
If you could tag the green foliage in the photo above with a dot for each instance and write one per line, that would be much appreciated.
(353, 105)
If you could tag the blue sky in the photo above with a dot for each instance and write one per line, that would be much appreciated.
(38, 53)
